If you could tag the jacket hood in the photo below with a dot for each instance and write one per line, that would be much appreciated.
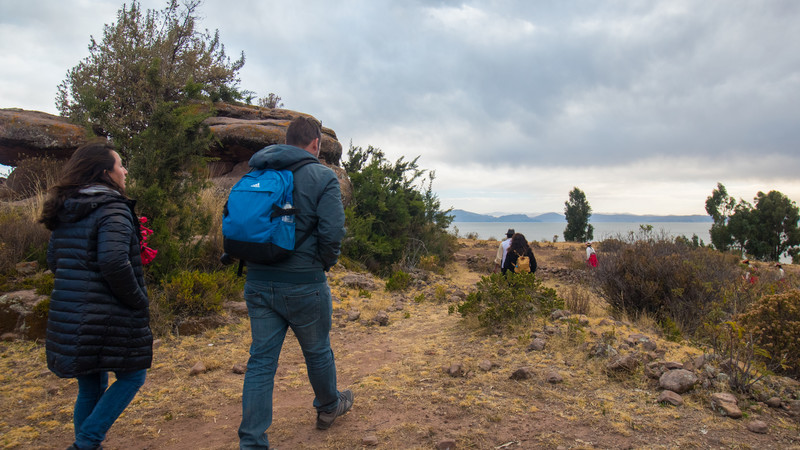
(89, 199)
(279, 156)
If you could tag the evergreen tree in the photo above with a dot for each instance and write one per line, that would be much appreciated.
(392, 220)
(577, 212)
(144, 60)
(720, 206)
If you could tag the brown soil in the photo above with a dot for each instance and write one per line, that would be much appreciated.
(404, 396)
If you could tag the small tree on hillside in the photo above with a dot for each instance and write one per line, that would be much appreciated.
(271, 101)
(577, 212)
(720, 206)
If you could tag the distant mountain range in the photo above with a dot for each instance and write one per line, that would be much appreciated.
(465, 216)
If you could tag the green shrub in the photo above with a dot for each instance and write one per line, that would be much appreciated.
(392, 221)
(195, 293)
(506, 300)
(440, 293)
(43, 283)
(42, 308)
(774, 321)
(399, 281)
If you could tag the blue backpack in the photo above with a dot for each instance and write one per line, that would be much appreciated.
(258, 219)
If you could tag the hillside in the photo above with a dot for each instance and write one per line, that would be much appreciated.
(424, 379)
(459, 215)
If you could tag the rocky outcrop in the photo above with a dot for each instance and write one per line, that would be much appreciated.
(240, 131)
(23, 315)
(244, 130)
(29, 134)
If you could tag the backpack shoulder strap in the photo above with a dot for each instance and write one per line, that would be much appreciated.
(310, 231)
(301, 163)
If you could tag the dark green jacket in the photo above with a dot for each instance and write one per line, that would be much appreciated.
(318, 197)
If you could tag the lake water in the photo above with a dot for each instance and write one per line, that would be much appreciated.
(544, 231)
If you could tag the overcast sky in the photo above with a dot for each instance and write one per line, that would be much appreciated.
(643, 105)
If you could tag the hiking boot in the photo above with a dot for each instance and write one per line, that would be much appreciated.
(325, 419)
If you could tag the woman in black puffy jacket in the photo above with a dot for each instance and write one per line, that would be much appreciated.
(99, 318)
(519, 247)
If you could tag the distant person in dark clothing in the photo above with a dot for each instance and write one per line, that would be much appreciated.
(502, 250)
(99, 318)
(519, 247)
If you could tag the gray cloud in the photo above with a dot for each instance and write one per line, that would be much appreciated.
(710, 89)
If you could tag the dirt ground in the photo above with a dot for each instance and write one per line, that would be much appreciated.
(404, 396)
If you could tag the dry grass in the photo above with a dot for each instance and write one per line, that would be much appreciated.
(21, 237)
(404, 395)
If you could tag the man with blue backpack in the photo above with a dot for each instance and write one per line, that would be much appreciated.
(290, 289)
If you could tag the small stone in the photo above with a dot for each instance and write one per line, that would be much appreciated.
(156, 343)
(670, 397)
(8, 337)
(523, 373)
(553, 377)
(446, 444)
(456, 370)
(654, 370)
(774, 402)
(678, 381)
(52, 390)
(381, 318)
(239, 368)
(370, 440)
(757, 426)
(27, 268)
(726, 404)
(485, 365)
(353, 315)
(672, 365)
(538, 345)
(627, 363)
(197, 369)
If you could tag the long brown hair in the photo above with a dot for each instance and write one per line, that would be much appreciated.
(519, 244)
(89, 165)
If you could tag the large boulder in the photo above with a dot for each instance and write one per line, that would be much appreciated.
(28, 134)
(245, 129)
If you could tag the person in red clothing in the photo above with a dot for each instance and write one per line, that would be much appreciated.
(591, 256)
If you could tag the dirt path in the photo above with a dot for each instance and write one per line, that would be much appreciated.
(404, 396)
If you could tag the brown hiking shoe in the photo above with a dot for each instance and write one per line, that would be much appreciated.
(325, 419)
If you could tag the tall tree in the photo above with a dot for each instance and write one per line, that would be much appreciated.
(720, 206)
(577, 212)
(144, 60)
(768, 230)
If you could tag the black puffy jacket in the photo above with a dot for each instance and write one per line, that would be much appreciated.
(99, 317)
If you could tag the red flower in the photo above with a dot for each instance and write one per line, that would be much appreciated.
(148, 254)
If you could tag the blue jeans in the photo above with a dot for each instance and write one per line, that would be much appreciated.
(273, 307)
(99, 405)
